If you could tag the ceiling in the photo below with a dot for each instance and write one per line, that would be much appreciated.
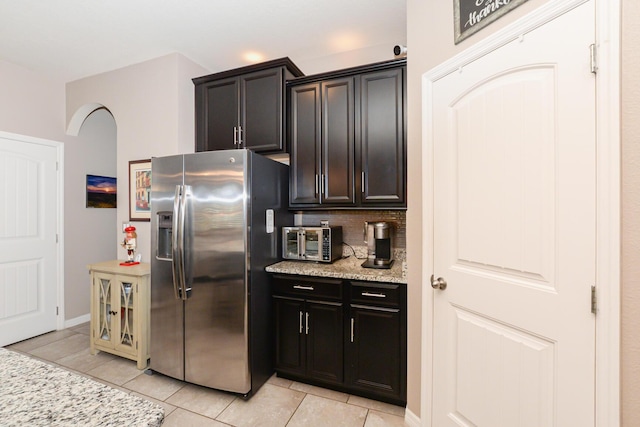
(71, 39)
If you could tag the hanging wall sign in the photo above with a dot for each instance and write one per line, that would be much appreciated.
(470, 16)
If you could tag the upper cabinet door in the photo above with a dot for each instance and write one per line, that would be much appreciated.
(261, 112)
(304, 139)
(217, 114)
(382, 138)
(338, 147)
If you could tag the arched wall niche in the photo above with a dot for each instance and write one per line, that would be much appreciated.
(81, 114)
(91, 234)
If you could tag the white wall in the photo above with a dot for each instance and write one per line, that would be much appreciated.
(630, 328)
(347, 59)
(31, 104)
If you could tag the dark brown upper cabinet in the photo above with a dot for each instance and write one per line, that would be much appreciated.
(322, 162)
(347, 138)
(244, 107)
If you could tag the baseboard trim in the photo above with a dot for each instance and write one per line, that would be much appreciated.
(411, 419)
(77, 321)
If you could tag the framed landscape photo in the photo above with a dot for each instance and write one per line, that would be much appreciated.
(101, 192)
(470, 16)
(139, 190)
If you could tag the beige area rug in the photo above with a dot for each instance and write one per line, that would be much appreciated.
(33, 393)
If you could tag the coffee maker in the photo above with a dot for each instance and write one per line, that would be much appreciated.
(378, 237)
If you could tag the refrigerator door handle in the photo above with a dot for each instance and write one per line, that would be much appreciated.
(176, 263)
(181, 221)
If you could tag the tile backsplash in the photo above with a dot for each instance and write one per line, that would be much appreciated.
(352, 223)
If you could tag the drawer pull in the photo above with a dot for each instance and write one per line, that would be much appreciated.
(304, 288)
(352, 322)
(369, 294)
(300, 322)
(307, 323)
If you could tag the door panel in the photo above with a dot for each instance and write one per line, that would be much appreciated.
(325, 344)
(382, 147)
(305, 144)
(28, 246)
(514, 232)
(510, 229)
(376, 331)
(215, 319)
(261, 100)
(167, 313)
(496, 360)
(221, 113)
(290, 344)
(338, 141)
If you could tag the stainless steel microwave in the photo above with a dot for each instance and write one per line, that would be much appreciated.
(320, 244)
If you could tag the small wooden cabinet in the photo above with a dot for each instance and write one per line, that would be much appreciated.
(346, 335)
(244, 107)
(347, 138)
(120, 303)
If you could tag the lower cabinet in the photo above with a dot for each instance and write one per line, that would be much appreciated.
(348, 336)
(309, 336)
(309, 328)
(120, 302)
(376, 349)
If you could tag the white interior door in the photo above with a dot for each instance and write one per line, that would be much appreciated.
(514, 233)
(28, 247)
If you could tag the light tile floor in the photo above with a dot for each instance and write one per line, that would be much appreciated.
(279, 402)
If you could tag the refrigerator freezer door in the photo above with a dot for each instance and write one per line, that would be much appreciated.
(216, 331)
(167, 333)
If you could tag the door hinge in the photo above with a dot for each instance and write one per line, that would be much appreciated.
(594, 300)
(593, 59)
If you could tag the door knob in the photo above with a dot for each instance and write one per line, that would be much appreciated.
(438, 283)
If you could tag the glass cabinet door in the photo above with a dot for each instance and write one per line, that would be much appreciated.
(104, 289)
(127, 295)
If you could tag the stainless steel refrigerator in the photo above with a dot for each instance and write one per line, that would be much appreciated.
(215, 218)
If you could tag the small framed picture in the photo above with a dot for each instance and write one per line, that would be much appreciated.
(101, 192)
(139, 190)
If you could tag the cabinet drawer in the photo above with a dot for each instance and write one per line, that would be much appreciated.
(306, 287)
(370, 293)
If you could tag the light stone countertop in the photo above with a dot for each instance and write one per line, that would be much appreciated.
(345, 268)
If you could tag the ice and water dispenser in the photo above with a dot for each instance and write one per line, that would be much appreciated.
(165, 235)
